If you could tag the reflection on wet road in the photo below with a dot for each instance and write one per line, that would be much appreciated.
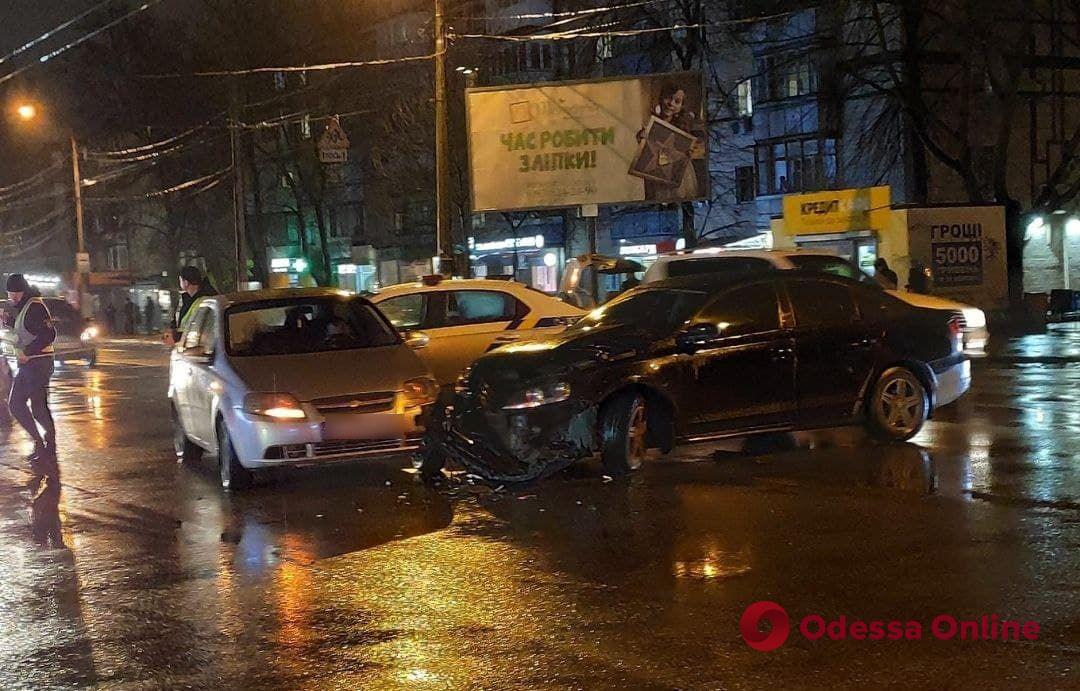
(363, 577)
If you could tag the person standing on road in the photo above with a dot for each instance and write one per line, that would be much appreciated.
(149, 314)
(885, 276)
(193, 287)
(31, 337)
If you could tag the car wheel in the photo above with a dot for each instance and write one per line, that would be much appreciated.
(624, 434)
(899, 405)
(234, 477)
(187, 451)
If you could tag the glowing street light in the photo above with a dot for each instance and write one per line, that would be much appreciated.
(26, 111)
(1036, 228)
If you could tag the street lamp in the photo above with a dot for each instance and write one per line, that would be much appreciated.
(28, 112)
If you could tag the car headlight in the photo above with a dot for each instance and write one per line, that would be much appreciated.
(275, 406)
(538, 396)
(419, 392)
(90, 333)
(974, 317)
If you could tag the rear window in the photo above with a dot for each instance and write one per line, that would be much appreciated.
(299, 326)
(656, 312)
(836, 266)
(715, 265)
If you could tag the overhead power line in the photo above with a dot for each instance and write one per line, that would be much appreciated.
(206, 182)
(292, 68)
(55, 30)
(148, 147)
(574, 33)
(83, 39)
(6, 233)
(586, 12)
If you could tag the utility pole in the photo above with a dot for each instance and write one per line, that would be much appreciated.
(443, 227)
(239, 202)
(80, 237)
(239, 211)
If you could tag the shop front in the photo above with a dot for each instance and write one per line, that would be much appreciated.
(531, 259)
(960, 248)
(857, 224)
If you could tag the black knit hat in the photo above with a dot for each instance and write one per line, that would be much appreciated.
(16, 283)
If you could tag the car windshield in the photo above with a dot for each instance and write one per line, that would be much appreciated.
(652, 311)
(311, 325)
(837, 266)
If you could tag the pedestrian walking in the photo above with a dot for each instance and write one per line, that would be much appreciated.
(30, 336)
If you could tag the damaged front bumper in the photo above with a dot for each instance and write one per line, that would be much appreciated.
(512, 446)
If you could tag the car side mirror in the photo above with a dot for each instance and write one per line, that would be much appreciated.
(417, 340)
(696, 337)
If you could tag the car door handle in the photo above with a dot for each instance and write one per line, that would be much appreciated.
(507, 339)
(863, 343)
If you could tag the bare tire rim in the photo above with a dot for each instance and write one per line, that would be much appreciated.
(636, 446)
(901, 405)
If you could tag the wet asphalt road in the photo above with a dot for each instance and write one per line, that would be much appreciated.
(364, 578)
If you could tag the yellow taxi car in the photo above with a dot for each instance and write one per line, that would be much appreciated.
(451, 322)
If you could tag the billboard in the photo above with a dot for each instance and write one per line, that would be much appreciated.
(567, 144)
(964, 246)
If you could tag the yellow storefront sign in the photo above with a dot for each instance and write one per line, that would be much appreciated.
(838, 211)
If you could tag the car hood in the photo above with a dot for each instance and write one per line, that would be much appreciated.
(930, 301)
(541, 358)
(325, 375)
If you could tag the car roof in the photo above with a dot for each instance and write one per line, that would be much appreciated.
(452, 284)
(714, 282)
(245, 297)
(770, 255)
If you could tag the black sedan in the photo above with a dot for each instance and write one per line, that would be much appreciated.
(701, 358)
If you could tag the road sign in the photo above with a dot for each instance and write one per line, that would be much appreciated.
(334, 143)
(82, 262)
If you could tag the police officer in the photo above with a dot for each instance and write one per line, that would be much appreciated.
(31, 337)
(193, 288)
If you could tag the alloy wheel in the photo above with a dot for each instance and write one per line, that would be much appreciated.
(900, 406)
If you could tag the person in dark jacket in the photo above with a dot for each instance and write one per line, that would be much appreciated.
(193, 287)
(31, 335)
(885, 276)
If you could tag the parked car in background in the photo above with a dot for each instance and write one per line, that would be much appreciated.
(76, 337)
(747, 261)
(277, 378)
(455, 321)
(697, 359)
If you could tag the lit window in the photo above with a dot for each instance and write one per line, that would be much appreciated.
(745, 97)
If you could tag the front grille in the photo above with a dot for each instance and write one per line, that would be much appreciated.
(379, 402)
(355, 448)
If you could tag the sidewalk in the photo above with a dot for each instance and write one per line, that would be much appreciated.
(1060, 344)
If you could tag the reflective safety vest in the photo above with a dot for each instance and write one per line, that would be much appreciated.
(23, 337)
(189, 314)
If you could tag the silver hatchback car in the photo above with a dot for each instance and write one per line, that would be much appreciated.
(294, 377)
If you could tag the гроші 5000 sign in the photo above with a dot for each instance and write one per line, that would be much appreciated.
(576, 143)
